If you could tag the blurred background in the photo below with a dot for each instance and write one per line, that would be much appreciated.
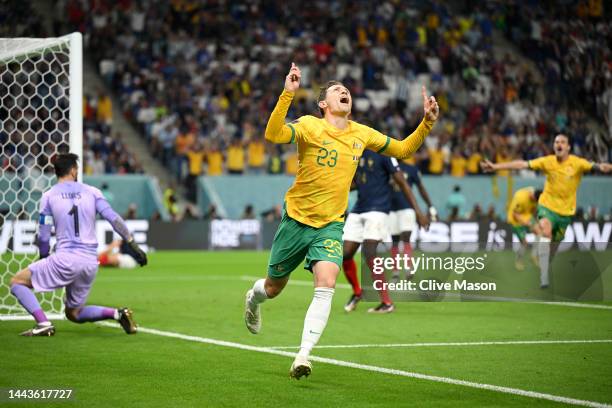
(177, 95)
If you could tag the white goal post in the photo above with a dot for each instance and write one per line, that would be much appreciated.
(41, 114)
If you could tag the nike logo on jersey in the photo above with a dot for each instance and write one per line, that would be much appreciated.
(327, 142)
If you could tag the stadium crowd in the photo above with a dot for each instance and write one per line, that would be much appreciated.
(27, 138)
(200, 88)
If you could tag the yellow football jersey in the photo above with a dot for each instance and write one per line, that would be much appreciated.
(523, 204)
(327, 160)
(562, 181)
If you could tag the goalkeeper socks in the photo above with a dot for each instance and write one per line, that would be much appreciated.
(95, 313)
(316, 319)
(259, 293)
(28, 300)
(544, 257)
(350, 271)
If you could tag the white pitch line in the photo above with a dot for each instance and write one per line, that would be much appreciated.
(382, 370)
(451, 344)
(572, 304)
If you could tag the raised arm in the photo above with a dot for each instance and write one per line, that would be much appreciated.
(403, 149)
(488, 166)
(602, 167)
(276, 129)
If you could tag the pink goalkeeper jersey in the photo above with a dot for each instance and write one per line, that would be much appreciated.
(73, 207)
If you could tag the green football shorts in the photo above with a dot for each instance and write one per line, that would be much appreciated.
(521, 231)
(559, 222)
(295, 241)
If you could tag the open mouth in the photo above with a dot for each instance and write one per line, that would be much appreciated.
(344, 99)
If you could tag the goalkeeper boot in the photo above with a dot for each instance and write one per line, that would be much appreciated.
(301, 367)
(126, 320)
(40, 329)
(252, 316)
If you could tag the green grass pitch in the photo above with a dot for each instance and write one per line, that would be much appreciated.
(202, 294)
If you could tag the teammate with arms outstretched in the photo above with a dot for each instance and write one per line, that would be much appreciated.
(403, 218)
(329, 150)
(368, 221)
(521, 215)
(557, 203)
(71, 206)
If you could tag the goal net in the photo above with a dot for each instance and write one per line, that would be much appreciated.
(40, 116)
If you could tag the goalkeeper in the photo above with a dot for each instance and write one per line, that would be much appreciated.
(71, 206)
(329, 150)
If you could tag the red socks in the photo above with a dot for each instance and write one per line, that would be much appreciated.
(350, 271)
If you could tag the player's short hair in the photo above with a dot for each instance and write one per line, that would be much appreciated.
(323, 93)
(565, 135)
(538, 193)
(64, 162)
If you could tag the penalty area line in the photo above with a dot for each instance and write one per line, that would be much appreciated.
(376, 369)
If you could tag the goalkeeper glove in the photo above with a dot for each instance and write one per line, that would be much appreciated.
(433, 214)
(136, 253)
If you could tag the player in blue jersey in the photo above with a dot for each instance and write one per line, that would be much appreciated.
(402, 218)
(367, 222)
(72, 207)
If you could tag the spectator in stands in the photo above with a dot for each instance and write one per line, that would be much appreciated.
(214, 159)
(476, 213)
(211, 213)
(275, 163)
(132, 212)
(273, 214)
(110, 197)
(104, 112)
(436, 160)
(195, 157)
(190, 213)
(183, 143)
(235, 157)
(248, 213)
(170, 202)
(457, 163)
(257, 155)
(491, 214)
(455, 202)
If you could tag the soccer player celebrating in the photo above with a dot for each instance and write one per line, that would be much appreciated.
(521, 216)
(71, 206)
(557, 203)
(367, 222)
(329, 150)
(403, 216)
